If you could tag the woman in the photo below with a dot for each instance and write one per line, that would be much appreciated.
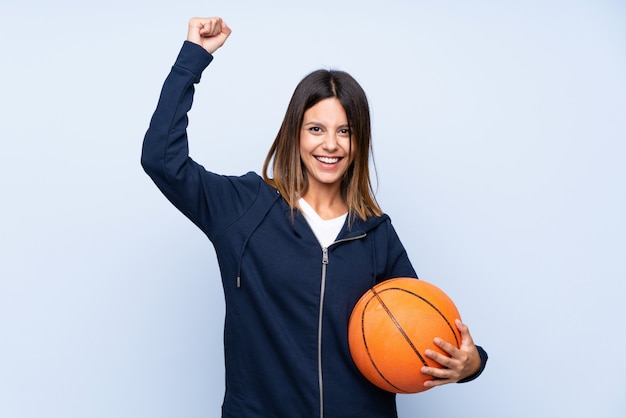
(296, 248)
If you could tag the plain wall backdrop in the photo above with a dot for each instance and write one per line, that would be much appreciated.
(500, 147)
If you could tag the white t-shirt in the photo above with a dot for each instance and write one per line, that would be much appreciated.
(325, 231)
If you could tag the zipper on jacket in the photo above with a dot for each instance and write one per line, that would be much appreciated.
(321, 316)
(319, 330)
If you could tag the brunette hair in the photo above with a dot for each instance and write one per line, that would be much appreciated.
(288, 174)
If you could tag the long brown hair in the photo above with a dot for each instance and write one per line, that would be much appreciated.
(288, 174)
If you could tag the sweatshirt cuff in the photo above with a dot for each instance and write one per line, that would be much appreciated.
(192, 57)
(483, 362)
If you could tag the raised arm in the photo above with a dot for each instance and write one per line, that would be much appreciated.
(165, 152)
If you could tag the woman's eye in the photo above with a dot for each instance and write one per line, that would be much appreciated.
(315, 129)
(344, 132)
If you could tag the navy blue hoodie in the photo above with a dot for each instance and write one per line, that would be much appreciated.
(288, 301)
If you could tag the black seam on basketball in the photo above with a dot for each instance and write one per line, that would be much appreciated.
(429, 304)
(367, 350)
(399, 327)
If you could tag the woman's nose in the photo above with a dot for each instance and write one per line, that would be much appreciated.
(330, 142)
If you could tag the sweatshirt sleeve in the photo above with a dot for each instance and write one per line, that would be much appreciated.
(209, 200)
(397, 260)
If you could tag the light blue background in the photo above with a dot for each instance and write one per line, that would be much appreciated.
(500, 131)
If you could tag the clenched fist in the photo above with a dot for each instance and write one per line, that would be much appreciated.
(208, 32)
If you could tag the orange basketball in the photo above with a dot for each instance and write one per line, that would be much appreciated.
(393, 324)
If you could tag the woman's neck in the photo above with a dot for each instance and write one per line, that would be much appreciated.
(327, 205)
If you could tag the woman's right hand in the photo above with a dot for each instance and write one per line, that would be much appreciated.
(208, 32)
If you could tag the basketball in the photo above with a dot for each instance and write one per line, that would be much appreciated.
(392, 325)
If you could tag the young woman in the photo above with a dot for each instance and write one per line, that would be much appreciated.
(296, 247)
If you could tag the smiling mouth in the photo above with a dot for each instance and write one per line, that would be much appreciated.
(328, 160)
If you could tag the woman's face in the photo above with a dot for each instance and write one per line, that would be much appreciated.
(325, 144)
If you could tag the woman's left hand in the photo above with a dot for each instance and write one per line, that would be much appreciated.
(461, 363)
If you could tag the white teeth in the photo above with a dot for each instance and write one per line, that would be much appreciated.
(328, 160)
